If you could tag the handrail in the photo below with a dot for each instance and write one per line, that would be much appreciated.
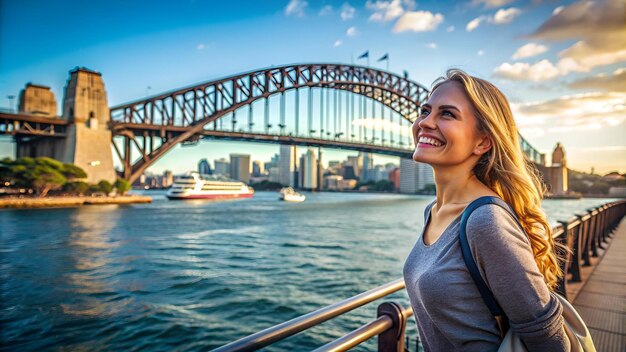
(582, 234)
(362, 334)
(291, 327)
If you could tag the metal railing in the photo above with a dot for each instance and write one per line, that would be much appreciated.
(583, 235)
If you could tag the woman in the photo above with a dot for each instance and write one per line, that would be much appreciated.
(466, 132)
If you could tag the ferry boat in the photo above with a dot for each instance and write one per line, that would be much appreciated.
(288, 194)
(196, 186)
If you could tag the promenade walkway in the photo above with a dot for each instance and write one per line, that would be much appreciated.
(601, 300)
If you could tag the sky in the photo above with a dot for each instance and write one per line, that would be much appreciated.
(562, 64)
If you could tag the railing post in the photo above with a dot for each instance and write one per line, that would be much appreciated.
(561, 288)
(572, 240)
(392, 340)
(583, 240)
(593, 232)
(601, 226)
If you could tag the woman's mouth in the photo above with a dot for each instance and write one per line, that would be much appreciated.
(429, 142)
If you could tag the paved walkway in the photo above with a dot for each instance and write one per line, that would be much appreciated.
(601, 300)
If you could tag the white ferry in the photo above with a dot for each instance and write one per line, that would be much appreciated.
(288, 194)
(196, 186)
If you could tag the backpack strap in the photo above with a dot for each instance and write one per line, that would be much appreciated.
(486, 294)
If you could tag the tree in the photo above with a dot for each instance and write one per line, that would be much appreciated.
(77, 188)
(105, 186)
(72, 172)
(121, 186)
(45, 178)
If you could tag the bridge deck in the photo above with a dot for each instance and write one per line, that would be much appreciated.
(601, 300)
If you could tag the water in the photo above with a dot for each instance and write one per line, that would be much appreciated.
(194, 275)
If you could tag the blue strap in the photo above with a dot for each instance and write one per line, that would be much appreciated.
(488, 297)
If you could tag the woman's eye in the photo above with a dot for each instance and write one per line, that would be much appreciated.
(448, 114)
(424, 113)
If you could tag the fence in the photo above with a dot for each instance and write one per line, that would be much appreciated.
(583, 235)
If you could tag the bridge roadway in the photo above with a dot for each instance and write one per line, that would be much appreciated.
(601, 298)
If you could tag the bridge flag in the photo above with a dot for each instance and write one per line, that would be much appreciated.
(385, 58)
(365, 55)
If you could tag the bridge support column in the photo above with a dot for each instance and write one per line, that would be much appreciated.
(88, 142)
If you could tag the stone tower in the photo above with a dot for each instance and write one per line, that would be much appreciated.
(88, 142)
(557, 173)
(38, 101)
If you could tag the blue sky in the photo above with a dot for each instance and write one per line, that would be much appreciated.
(560, 88)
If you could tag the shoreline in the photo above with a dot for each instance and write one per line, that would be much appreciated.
(70, 201)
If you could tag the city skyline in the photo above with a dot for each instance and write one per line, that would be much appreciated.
(565, 84)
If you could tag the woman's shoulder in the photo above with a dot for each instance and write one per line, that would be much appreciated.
(493, 222)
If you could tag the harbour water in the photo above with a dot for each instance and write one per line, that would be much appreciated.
(194, 275)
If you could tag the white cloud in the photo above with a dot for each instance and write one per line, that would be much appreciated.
(450, 29)
(296, 8)
(540, 71)
(418, 21)
(579, 112)
(351, 32)
(326, 10)
(504, 16)
(473, 24)
(557, 10)
(615, 82)
(432, 45)
(385, 11)
(491, 3)
(480, 53)
(347, 12)
(200, 46)
(528, 50)
(597, 27)
(338, 43)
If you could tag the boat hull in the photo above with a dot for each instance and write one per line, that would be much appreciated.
(210, 196)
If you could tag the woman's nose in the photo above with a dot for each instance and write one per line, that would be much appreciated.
(427, 123)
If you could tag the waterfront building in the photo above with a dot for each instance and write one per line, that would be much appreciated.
(376, 173)
(257, 169)
(274, 162)
(331, 182)
(308, 170)
(414, 176)
(240, 167)
(357, 165)
(168, 179)
(348, 172)
(557, 173)
(394, 177)
(273, 174)
(288, 165)
(222, 167)
(204, 168)
(368, 165)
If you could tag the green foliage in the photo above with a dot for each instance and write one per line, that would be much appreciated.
(599, 188)
(122, 186)
(76, 188)
(45, 178)
(105, 186)
(72, 171)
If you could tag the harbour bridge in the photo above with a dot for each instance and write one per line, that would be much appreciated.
(322, 105)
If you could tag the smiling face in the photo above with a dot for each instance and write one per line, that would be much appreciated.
(446, 132)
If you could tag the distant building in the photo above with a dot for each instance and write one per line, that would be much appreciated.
(348, 172)
(394, 177)
(557, 173)
(240, 167)
(357, 165)
(368, 165)
(204, 168)
(308, 170)
(414, 176)
(288, 165)
(257, 169)
(331, 182)
(168, 179)
(222, 167)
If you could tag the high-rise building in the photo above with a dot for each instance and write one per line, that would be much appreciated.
(368, 165)
(257, 169)
(287, 168)
(204, 168)
(414, 176)
(308, 170)
(240, 167)
(222, 167)
(168, 178)
(394, 177)
(357, 164)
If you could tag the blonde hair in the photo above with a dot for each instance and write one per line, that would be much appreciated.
(506, 170)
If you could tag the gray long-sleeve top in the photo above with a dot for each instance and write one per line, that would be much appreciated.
(450, 312)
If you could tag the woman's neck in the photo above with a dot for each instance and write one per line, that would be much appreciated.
(455, 185)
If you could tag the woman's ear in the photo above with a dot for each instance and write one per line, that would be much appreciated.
(484, 146)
